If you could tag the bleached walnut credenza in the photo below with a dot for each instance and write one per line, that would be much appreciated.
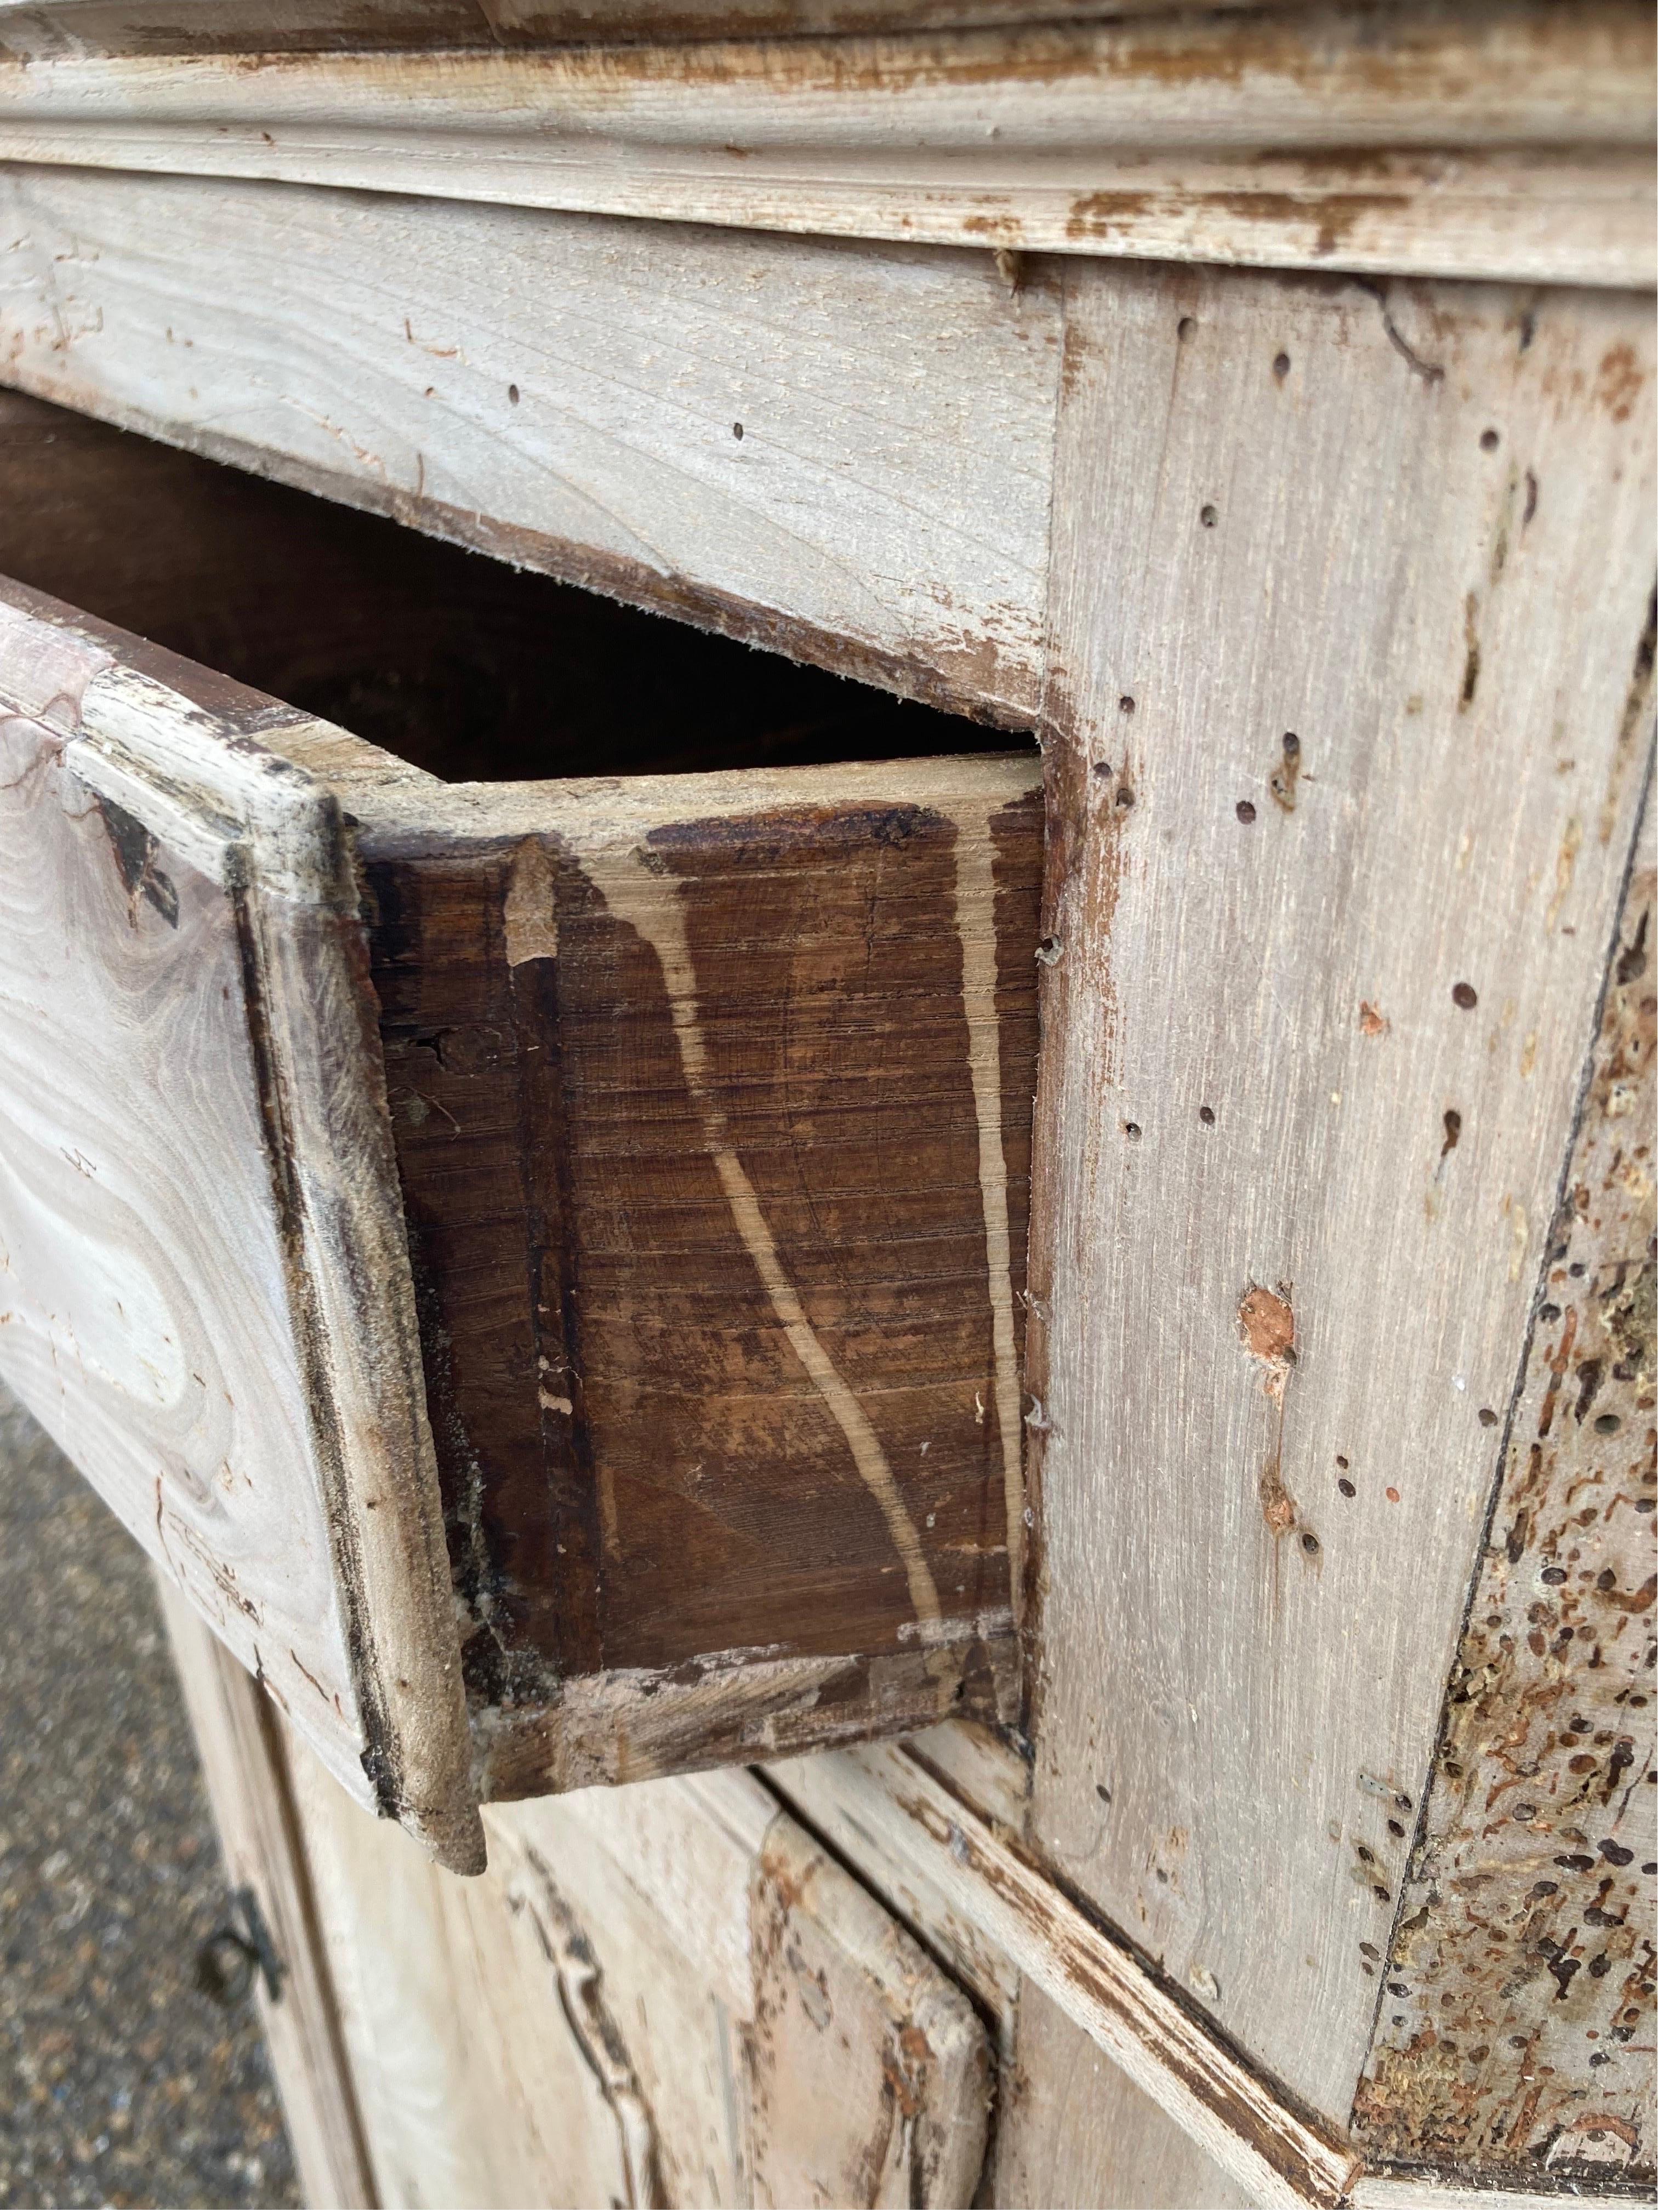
(1001, 1253)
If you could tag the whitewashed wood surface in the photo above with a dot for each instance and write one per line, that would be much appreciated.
(1506, 139)
(666, 1994)
(843, 450)
(208, 1303)
(239, 1740)
(1349, 594)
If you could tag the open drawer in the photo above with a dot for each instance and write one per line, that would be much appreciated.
(537, 1262)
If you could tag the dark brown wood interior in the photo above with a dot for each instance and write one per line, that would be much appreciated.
(470, 669)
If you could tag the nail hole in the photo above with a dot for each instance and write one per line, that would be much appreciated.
(1464, 995)
(1291, 745)
(1452, 1131)
(1340, 1461)
(1488, 1417)
(1246, 809)
(1125, 797)
(1125, 705)
(1488, 441)
(1131, 1129)
(1309, 1542)
(512, 394)
(1281, 367)
(1208, 516)
(1206, 1115)
(1607, 1424)
(1184, 328)
(736, 432)
(1104, 767)
(1345, 1487)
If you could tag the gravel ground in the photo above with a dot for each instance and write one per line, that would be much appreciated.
(120, 2083)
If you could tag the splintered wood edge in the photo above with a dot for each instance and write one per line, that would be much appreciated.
(1499, 142)
(272, 835)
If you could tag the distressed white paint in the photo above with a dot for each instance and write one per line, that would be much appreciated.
(1495, 140)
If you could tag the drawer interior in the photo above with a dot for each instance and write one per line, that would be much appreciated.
(706, 992)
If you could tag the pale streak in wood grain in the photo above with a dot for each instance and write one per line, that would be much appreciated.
(651, 904)
(976, 929)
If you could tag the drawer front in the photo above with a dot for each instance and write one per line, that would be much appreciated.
(207, 1302)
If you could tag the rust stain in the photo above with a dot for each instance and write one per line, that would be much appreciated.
(1618, 380)
(1516, 2028)
(1267, 1328)
(1266, 1324)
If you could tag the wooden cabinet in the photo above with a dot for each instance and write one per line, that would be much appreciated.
(1076, 1323)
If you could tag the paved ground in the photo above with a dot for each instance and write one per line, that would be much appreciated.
(120, 2084)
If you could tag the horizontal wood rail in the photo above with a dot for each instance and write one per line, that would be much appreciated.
(1506, 140)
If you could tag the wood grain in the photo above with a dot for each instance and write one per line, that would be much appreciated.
(663, 1996)
(1503, 140)
(567, 392)
(238, 1739)
(46, 27)
(198, 1194)
(713, 1136)
(1328, 930)
(1526, 1919)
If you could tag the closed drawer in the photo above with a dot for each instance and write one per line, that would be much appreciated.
(536, 1262)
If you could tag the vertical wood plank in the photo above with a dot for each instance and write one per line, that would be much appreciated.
(1515, 2030)
(1347, 591)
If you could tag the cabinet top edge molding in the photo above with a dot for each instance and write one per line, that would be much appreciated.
(167, 26)
(1510, 140)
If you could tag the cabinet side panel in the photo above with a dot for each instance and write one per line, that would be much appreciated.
(1349, 590)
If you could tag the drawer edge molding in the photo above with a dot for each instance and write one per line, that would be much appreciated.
(171, 780)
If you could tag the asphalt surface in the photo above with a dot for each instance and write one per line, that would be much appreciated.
(120, 2083)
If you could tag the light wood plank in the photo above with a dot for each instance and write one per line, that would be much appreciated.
(662, 1995)
(1506, 140)
(1326, 933)
(208, 1297)
(1514, 2039)
(568, 392)
(240, 1740)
